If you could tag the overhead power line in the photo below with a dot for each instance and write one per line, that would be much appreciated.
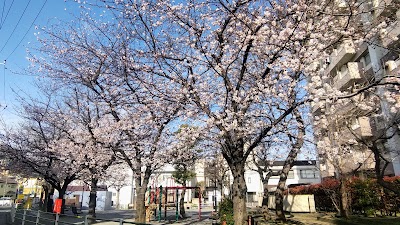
(2, 12)
(33, 22)
(5, 18)
(15, 27)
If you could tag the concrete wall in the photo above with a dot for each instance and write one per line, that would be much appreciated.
(295, 203)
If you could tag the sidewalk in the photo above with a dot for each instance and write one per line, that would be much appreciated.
(192, 218)
(112, 217)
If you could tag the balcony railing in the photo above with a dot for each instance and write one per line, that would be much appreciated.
(317, 108)
(385, 8)
(393, 33)
(341, 55)
(369, 126)
(346, 78)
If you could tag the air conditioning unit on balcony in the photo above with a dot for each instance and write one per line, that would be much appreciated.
(391, 65)
(362, 126)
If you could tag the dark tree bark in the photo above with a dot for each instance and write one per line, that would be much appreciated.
(344, 198)
(288, 164)
(239, 190)
(265, 199)
(261, 170)
(182, 202)
(93, 198)
(44, 197)
(380, 170)
(61, 195)
(141, 188)
(49, 199)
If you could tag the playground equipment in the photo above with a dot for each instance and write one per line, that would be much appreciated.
(158, 198)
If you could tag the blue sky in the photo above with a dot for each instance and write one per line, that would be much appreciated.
(18, 19)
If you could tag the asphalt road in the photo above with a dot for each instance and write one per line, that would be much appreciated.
(4, 215)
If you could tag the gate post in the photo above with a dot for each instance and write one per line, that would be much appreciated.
(37, 217)
(86, 219)
(57, 219)
(12, 212)
(23, 217)
(160, 204)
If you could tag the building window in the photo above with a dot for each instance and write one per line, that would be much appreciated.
(211, 183)
(249, 180)
(251, 197)
(114, 194)
(307, 174)
(289, 176)
(367, 59)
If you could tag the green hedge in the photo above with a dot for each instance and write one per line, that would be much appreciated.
(367, 196)
(226, 211)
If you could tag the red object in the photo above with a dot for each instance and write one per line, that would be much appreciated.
(57, 206)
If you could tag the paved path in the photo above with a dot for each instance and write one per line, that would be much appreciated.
(109, 217)
(192, 218)
(4, 215)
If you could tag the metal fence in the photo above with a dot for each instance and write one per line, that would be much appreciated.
(37, 217)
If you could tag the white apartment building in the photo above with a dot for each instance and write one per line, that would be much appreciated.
(302, 173)
(350, 65)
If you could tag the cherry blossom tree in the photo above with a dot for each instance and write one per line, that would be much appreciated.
(117, 178)
(217, 171)
(240, 67)
(263, 158)
(32, 148)
(242, 64)
(184, 154)
(98, 57)
(85, 138)
(297, 140)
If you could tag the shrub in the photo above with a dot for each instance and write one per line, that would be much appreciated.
(365, 195)
(226, 211)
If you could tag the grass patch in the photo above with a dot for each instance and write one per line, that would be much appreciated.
(330, 219)
(375, 220)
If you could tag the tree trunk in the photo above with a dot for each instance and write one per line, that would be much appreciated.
(49, 199)
(140, 204)
(289, 162)
(239, 190)
(117, 200)
(61, 195)
(279, 194)
(344, 200)
(282, 181)
(182, 203)
(380, 172)
(93, 198)
(141, 188)
(265, 199)
(44, 198)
